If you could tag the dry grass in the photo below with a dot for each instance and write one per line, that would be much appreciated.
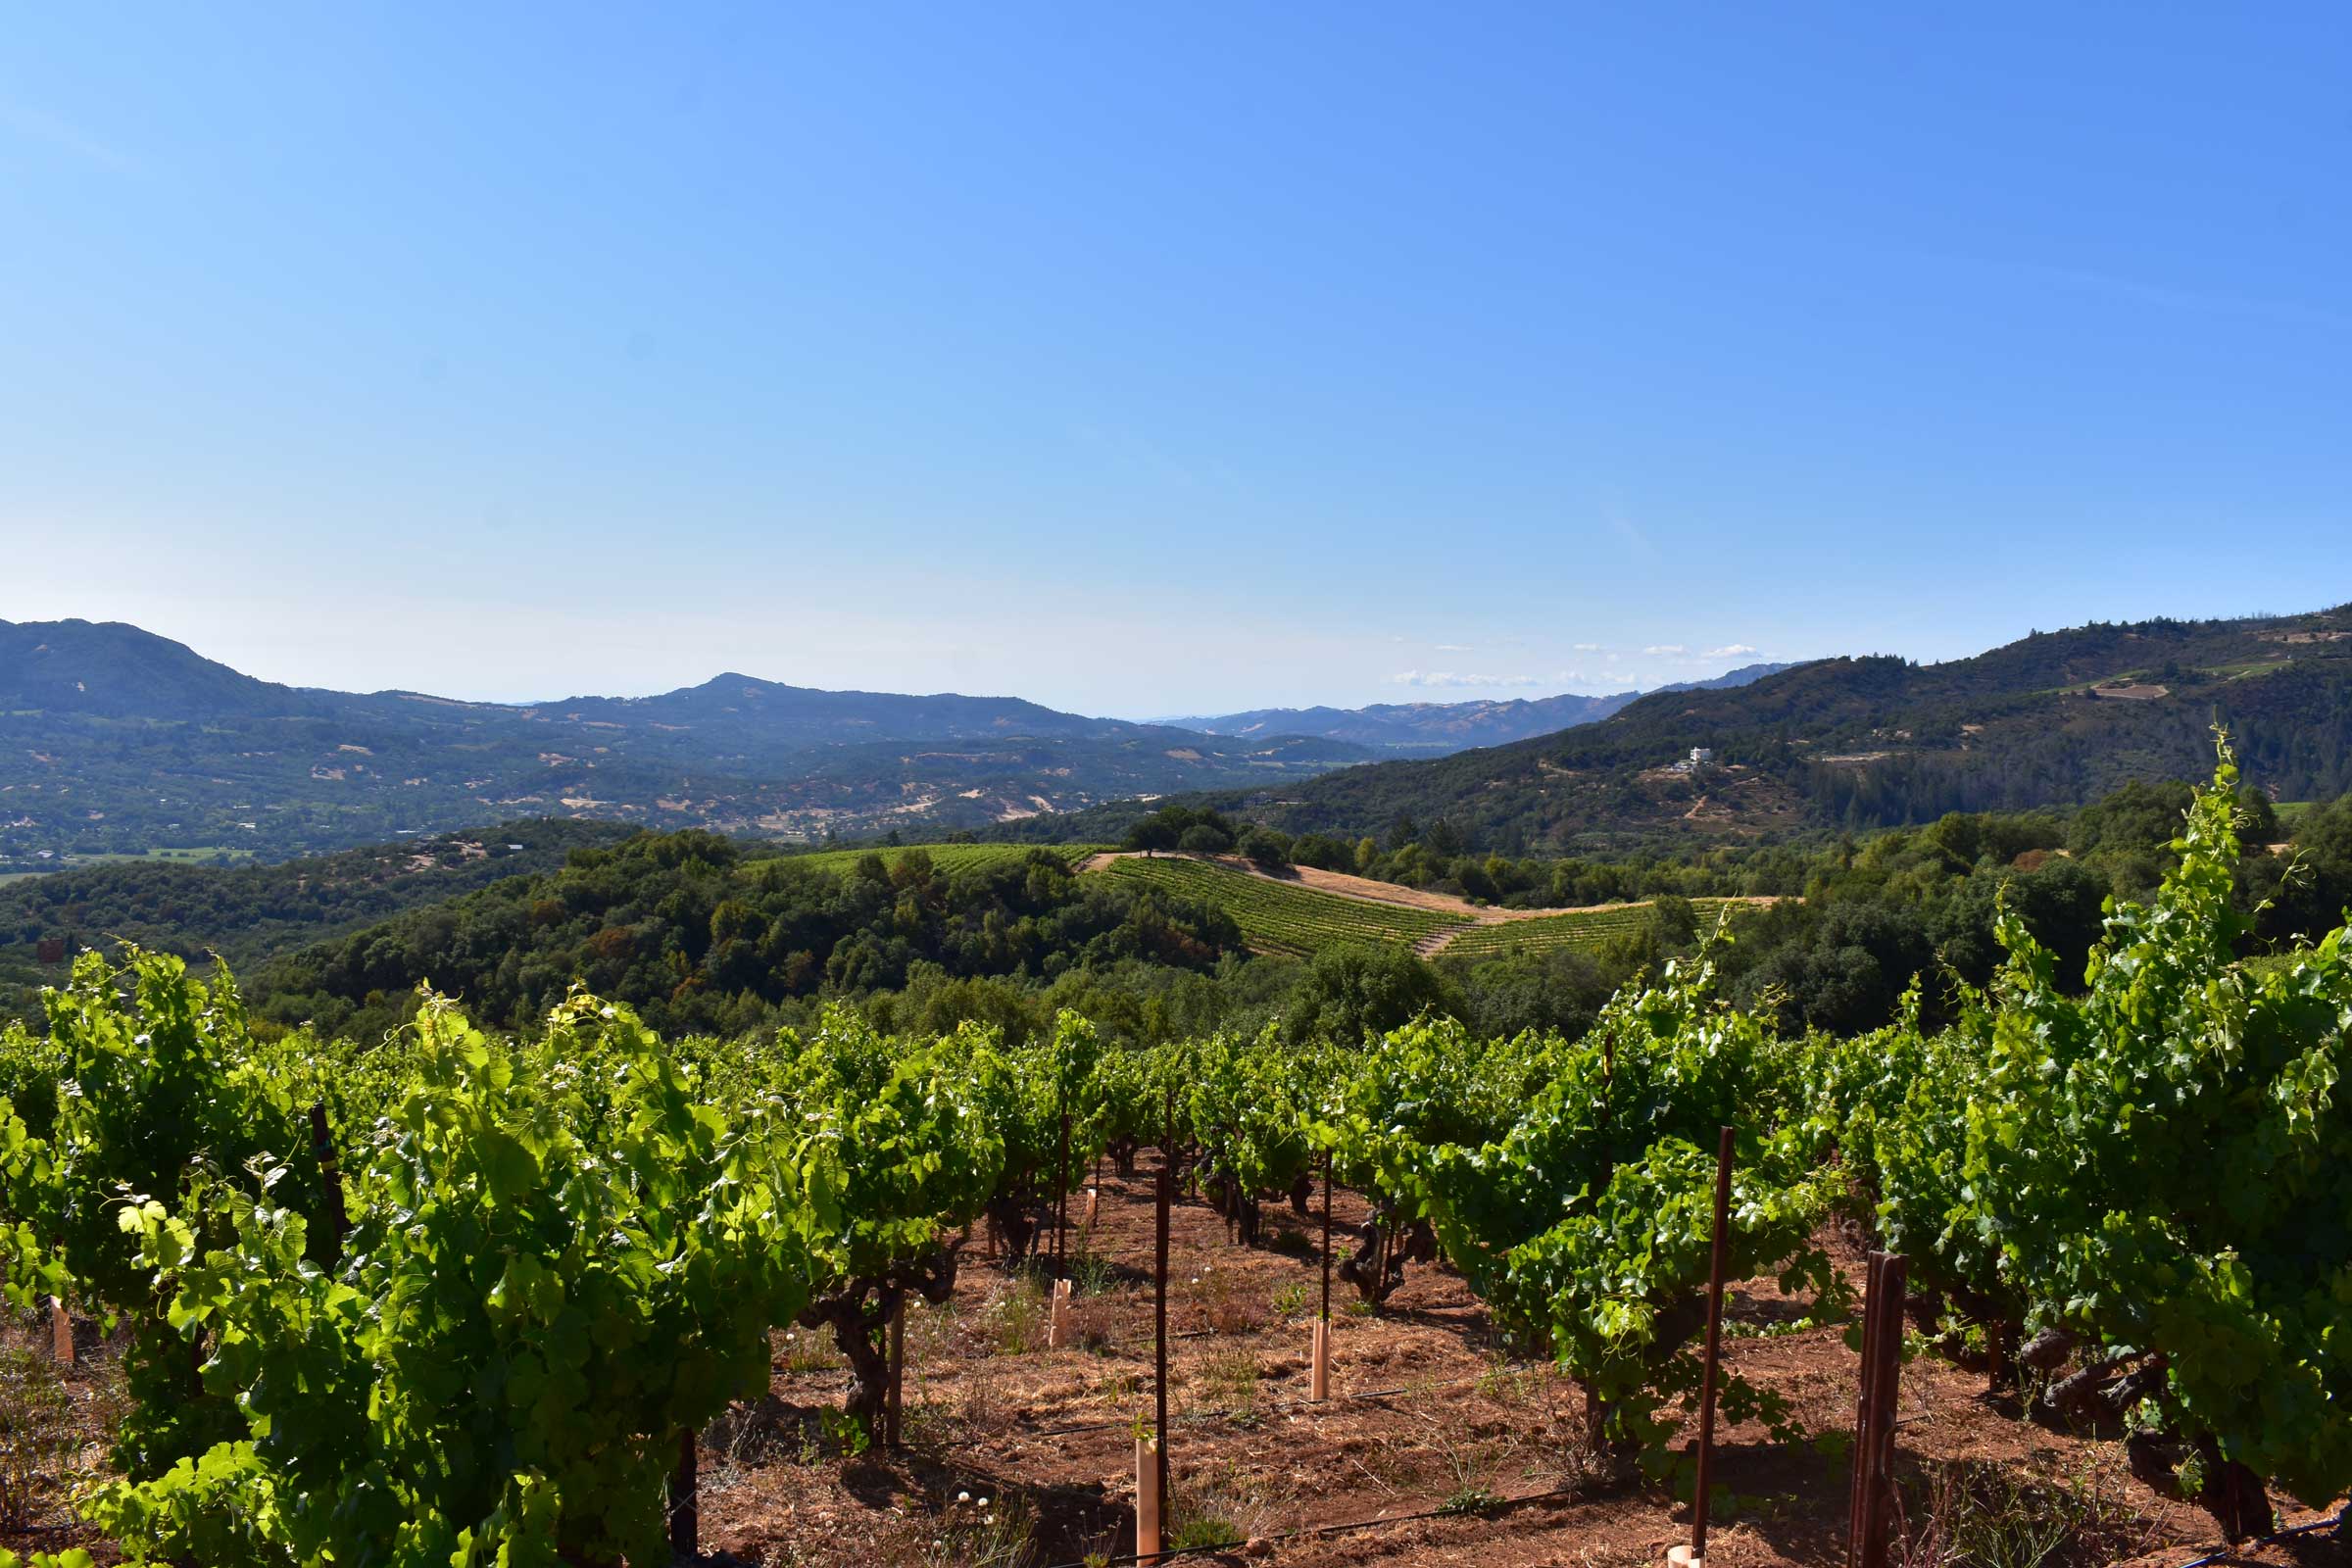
(36, 1435)
(984, 1532)
(1013, 1316)
(1970, 1514)
(803, 1351)
(1228, 1382)
(1224, 1301)
(1223, 1506)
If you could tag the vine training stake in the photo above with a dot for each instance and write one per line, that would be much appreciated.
(1695, 1554)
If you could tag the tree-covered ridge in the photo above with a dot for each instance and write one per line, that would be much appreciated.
(2057, 718)
(700, 934)
(1855, 919)
(1858, 919)
(114, 740)
(1430, 729)
(248, 913)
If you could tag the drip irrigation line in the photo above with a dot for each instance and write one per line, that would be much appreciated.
(1276, 1404)
(1493, 1505)
(1308, 1532)
(2343, 1515)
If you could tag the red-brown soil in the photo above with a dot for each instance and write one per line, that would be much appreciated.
(1427, 1408)
(1451, 1415)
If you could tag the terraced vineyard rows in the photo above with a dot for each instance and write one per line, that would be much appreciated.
(1574, 929)
(1279, 917)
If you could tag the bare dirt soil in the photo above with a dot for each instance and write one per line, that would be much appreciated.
(1342, 885)
(1021, 1457)
(1429, 1411)
(1307, 876)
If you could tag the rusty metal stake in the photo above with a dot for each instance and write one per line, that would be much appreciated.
(1874, 1423)
(1159, 1306)
(1865, 1400)
(897, 1374)
(685, 1508)
(1706, 1396)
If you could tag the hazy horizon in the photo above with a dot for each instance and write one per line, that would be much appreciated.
(1141, 363)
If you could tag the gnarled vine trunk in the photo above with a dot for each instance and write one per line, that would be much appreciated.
(859, 1315)
(1377, 1266)
(1671, 1330)
(2233, 1493)
(1015, 1224)
(1235, 1205)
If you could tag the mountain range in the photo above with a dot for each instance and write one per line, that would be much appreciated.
(2054, 719)
(1438, 728)
(114, 740)
(117, 741)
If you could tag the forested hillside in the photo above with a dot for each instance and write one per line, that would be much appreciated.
(114, 740)
(1436, 729)
(2057, 718)
(247, 913)
(701, 936)
(712, 935)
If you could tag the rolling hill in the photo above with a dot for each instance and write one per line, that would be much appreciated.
(250, 914)
(1438, 728)
(117, 741)
(1280, 915)
(2055, 718)
(1301, 912)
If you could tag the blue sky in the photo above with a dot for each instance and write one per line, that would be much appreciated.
(1166, 360)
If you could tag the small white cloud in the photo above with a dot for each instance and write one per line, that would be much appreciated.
(1453, 647)
(1447, 677)
(1728, 651)
(1665, 648)
(1587, 648)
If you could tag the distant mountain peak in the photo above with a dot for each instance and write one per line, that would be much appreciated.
(213, 758)
(114, 670)
(1427, 728)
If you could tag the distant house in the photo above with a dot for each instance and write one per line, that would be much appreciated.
(1701, 757)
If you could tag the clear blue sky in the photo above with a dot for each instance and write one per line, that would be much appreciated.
(1163, 359)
